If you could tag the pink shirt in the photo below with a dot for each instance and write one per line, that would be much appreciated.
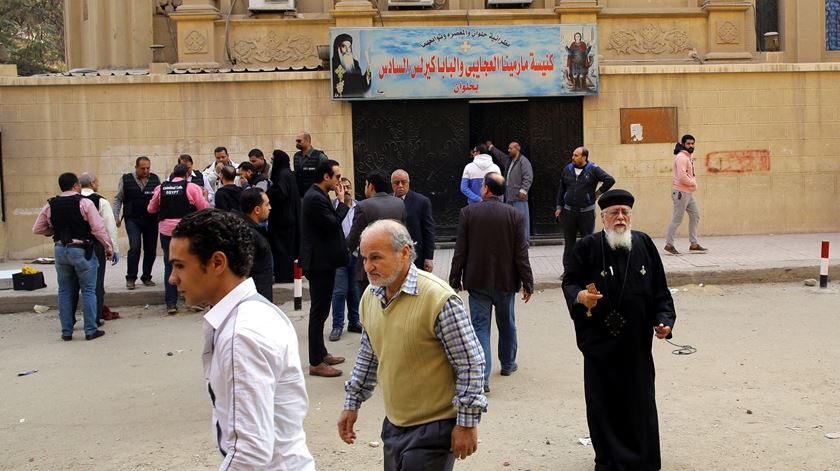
(43, 224)
(195, 197)
(684, 173)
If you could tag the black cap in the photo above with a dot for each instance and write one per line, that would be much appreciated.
(614, 197)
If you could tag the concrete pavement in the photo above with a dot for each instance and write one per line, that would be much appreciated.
(730, 259)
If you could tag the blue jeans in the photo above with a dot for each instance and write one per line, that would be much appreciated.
(142, 233)
(170, 291)
(482, 302)
(522, 208)
(73, 273)
(346, 290)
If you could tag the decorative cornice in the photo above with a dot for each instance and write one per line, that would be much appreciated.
(650, 39)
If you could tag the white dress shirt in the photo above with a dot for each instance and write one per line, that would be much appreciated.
(107, 217)
(252, 367)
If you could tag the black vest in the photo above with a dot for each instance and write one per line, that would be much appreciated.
(306, 169)
(174, 203)
(95, 197)
(136, 199)
(66, 219)
(197, 178)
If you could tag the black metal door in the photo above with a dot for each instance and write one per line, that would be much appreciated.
(556, 129)
(431, 140)
(426, 138)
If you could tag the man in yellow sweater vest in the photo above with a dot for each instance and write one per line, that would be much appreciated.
(418, 342)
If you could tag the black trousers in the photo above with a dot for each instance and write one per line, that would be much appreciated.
(321, 284)
(418, 448)
(142, 233)
(575, 223)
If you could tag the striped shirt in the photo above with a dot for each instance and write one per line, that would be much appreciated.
(454, 329)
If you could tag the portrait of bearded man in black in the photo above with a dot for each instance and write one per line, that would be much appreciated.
(348, 78)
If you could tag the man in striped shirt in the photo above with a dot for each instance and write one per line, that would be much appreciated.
(418, 342)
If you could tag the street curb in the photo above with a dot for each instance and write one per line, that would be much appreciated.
(284, 292)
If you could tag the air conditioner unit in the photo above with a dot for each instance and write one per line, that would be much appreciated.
(271, 5)
(398, 4)
(508, 3)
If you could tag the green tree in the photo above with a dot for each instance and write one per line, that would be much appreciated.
(32, 32)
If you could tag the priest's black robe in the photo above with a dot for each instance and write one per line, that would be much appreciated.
(284, 222)
(616, 341)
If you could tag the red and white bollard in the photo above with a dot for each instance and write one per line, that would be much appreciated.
(824, 265)
(298, 289)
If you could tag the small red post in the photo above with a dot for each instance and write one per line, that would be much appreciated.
(298, 288)
(824, 265)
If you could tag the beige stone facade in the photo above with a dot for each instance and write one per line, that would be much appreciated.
(767, 124)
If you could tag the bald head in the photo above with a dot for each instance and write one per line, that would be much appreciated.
(494, 185)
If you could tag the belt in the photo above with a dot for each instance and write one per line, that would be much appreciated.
(579, 210)
(71, 244)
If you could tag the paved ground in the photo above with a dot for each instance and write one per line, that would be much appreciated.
(731, 259)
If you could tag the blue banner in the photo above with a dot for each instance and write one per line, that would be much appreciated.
(464, 62)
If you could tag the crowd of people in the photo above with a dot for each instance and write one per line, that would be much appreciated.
(231, 231)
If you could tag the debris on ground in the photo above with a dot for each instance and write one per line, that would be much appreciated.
(40, 308)
(585, 441)
(373, 444)
(832, 435)
(27, 373)
(810, 282)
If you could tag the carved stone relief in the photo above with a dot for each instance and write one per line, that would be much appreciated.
(195, 42)
(274, 48)
(728, 33)
(650, 39)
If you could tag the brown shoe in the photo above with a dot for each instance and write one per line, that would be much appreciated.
(129, 285)
(697, 248)
(671, 250)
(331, 360)
(324, 370)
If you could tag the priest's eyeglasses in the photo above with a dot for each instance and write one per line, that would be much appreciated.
(616, 211)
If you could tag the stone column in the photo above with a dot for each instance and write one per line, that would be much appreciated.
(353, 14)
(577, 11)
(730, 30)
(196, 34)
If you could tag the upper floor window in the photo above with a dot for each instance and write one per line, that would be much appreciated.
(832, 25)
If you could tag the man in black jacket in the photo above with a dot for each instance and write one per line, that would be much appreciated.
(418, 219)
(492, 269)
(227, 196)
(323, 249)
(134, 191)
(576, 198)
(255, 208)
(377, 205)
(306, 161)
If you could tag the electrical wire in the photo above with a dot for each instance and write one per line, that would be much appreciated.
(683, 350)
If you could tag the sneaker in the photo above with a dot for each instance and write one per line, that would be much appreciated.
(130, 285)
(357, 328)
(486, 388)
(697, 248)
(171, 309)
(149, 283)
(510, 371)
(671, 250)
(335, 334)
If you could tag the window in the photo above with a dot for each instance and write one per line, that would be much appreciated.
(832, 25)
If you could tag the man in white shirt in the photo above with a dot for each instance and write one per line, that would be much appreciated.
(90, 186)
(251, 360)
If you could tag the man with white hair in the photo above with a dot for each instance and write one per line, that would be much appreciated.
(418, 342)
(618, 298)
(90, 187)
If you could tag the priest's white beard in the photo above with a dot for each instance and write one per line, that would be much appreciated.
(347, 61)
(620, 240)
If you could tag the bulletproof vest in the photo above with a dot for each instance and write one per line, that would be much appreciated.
(95, 197)
(197, 178)
(258, 178)
(136, 199)
(66, 219)
(174, 203)
(306, 168)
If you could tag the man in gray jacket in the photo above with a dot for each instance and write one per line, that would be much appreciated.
(519, 175)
